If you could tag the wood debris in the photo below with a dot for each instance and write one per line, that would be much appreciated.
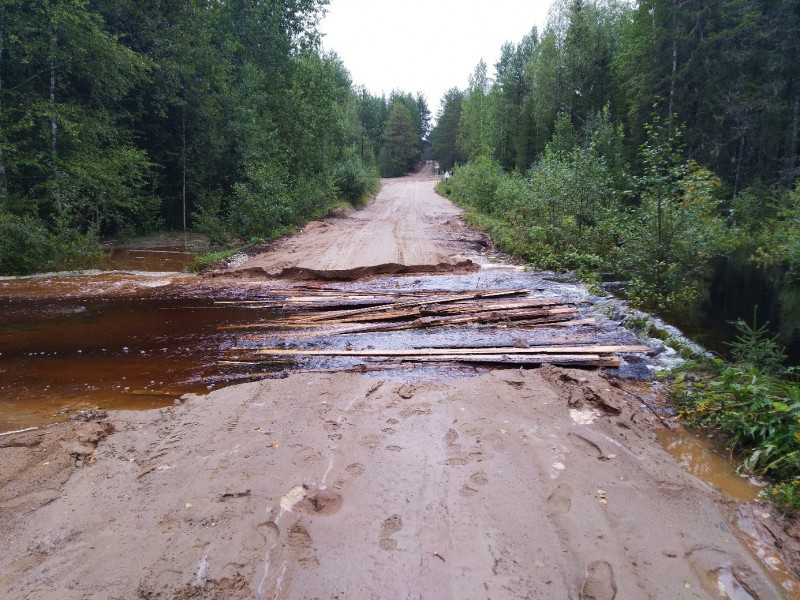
(294, 315)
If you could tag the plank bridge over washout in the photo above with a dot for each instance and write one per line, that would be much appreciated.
(324, 328)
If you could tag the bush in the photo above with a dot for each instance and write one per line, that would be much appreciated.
(24, 245)
(27, 246)
(354, 181)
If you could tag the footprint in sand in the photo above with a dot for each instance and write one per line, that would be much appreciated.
(599, 583)
(390, 526)
(477, 479)
(303, 546)
(451, 436)
(355, 469)
(560, 501)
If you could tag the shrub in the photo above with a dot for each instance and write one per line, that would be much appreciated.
(354, 181)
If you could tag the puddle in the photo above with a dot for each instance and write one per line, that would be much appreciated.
(698, 456)
(168, 252)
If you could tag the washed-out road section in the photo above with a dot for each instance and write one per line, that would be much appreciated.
(517, 483)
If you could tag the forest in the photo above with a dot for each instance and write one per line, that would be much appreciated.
(654, 142)
(226, 118)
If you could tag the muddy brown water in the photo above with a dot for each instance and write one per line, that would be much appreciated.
(137, 337)
(702, 458)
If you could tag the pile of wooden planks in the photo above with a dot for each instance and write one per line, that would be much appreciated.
(296, 315)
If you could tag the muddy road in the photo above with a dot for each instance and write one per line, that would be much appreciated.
(356, 478)
(408, 228)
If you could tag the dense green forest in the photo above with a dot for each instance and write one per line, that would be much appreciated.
(655, 141)
(119, 117)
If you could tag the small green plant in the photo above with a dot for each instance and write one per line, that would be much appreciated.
(753, 346)
(786, 495)
(204, 261)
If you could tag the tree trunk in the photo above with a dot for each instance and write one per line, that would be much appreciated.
(791, 162)
(54, 125)
(3, 187)
(183, 161)
(739, 160)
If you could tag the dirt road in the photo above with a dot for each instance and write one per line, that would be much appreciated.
(406, 229)
(518, 483)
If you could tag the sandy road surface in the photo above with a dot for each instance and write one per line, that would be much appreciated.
(404, 229)
(524, 483)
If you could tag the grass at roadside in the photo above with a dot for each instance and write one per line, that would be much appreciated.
(753, 404)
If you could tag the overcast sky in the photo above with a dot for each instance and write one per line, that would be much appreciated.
(424, 46)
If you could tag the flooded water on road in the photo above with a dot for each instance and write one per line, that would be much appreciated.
(67, 354)
(124, 339)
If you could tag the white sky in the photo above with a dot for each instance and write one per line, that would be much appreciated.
(424, 46)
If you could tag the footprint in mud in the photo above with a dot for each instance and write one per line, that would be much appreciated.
(467, 491)
(269, 531)
(320, 502)
(371, 441)
(589, 445)
(355, 469)
(451, 436)
(301, 543)
(392, 421)
(388, 430)
(307, 456)
(335, 437)
(560, 501)
(390, 526)
(479, 478)
(406, 391)
(299, 538)
(721, 577)
(331, 426)
(599, 583)
(416, 410)
(461, 460)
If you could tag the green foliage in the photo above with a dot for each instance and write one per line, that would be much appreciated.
(755, 403)
(755, 348)
(354, 181)
(676, 230)
(211, 259)
(400, 150)
(27, 246)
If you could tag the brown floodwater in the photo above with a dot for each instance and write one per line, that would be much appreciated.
(126, 339)
(699, 456)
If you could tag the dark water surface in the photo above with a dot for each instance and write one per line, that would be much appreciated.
(111, 339)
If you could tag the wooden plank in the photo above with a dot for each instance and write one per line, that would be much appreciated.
(424, 302)
(593, 360)
(446, 351)
(364, 326)
(474, 316)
